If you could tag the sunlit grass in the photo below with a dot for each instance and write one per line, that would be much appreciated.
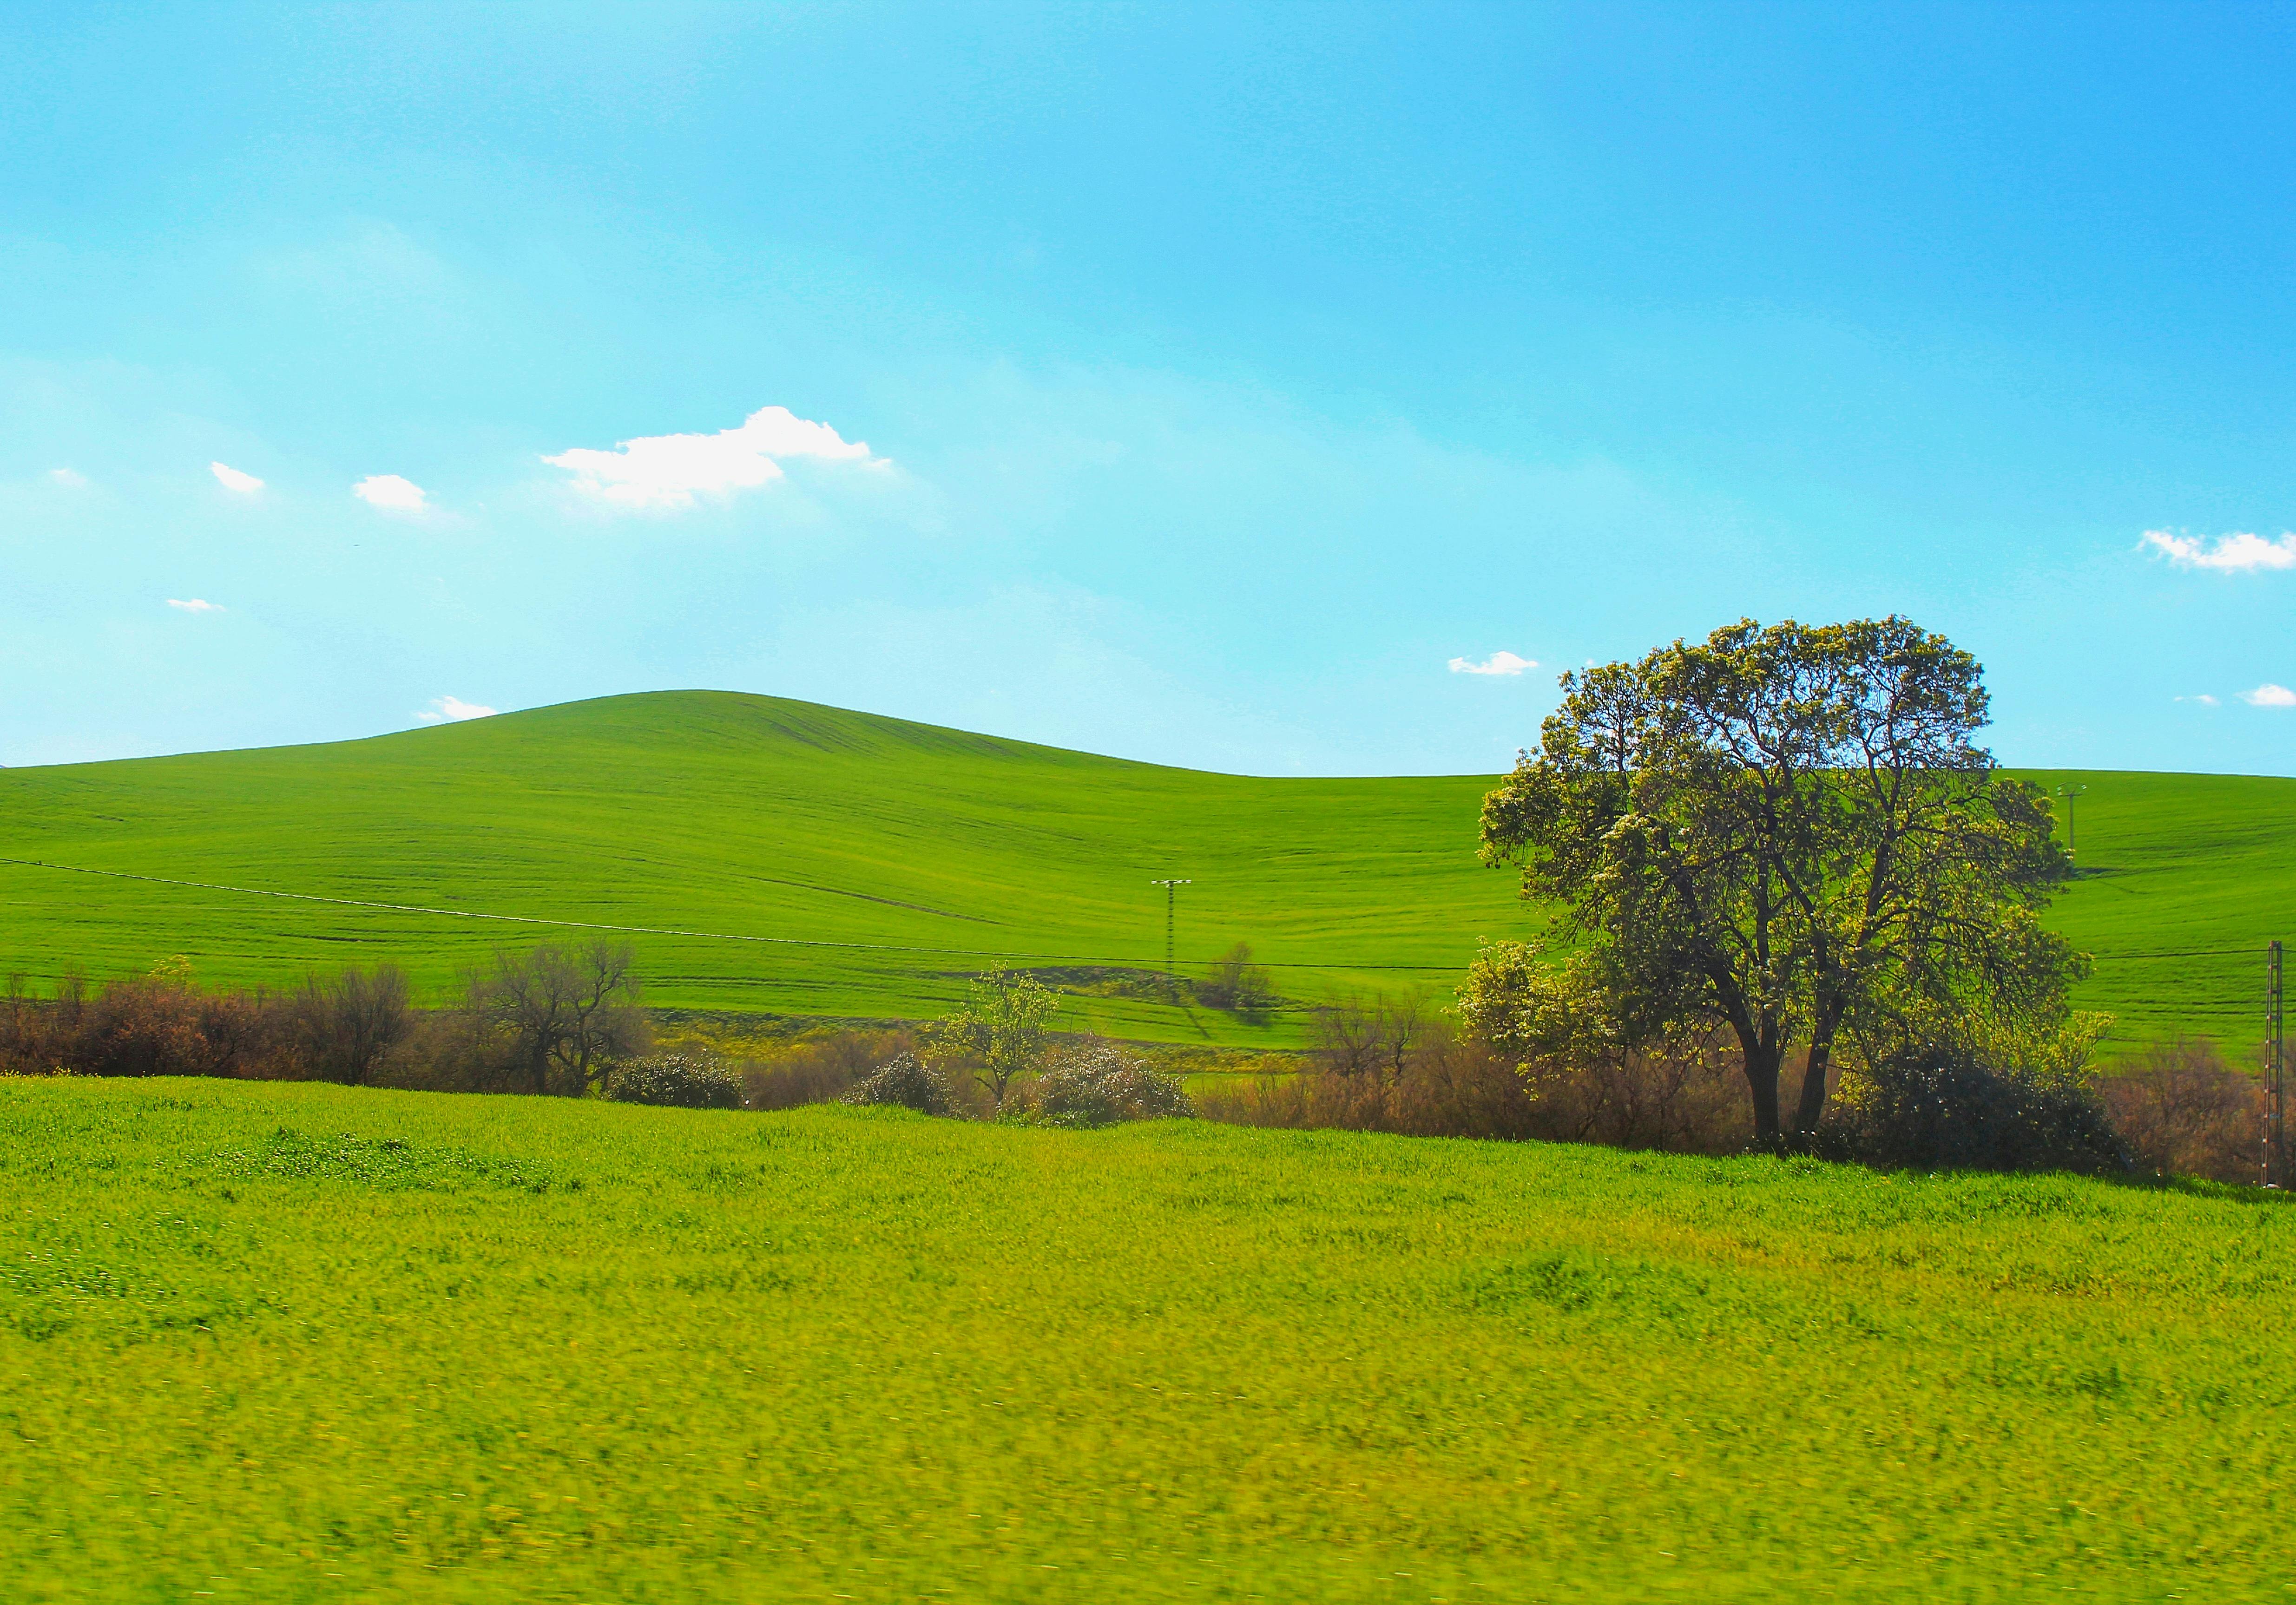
(302, 1343)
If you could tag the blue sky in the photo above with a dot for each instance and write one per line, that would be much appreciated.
(1198, 385)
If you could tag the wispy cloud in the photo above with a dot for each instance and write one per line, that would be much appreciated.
(2269, 695)
(1497, 663)
(231, 479)
(193, 604)
(670, 471)
(2235, 553)
(452, 710)
(392, 493)
(2203, 698)
(68, 477)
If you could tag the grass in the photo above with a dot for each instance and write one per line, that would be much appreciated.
(755, 817)
(297, 1343)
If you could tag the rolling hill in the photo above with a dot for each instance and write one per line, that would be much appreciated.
(869, 865)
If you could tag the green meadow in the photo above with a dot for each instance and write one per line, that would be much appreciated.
(887, 860)
(293, 1342)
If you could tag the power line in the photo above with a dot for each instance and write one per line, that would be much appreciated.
(2182, 953)
(658, 930)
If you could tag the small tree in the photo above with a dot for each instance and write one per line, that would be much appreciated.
(1354, 1035)
(1000, 1030)
(1788, 830)
(1235, 982)
(570, 1014)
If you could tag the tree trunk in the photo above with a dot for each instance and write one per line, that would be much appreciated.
(1813, 1088)
(1761, 1061)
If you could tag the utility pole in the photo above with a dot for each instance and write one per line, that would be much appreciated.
(2072, 841)
(1171, 975)
(2276, 1169)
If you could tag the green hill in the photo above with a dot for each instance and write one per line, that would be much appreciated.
(886, 860)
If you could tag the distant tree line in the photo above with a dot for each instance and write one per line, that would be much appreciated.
(565, 1022)
(551, 1020)
(560, 1020)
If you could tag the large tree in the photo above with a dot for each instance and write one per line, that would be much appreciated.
(1787, 830)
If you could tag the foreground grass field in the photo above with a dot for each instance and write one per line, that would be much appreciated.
(759, 817)
(288, 1343)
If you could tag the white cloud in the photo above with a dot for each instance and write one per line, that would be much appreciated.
(1497, 663)
(2233, 553)
(231, 479)
(2269, 695)
(452, 710)
(392, 493)
(195, 605)
(2203, 698)
(70, 478)
(668, 470)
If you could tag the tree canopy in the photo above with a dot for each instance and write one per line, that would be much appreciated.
(1786, 829)
(1000, 1028)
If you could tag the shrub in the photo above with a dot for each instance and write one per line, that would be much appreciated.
(1954, 1106)
(675, 1081)
(453, 1051)
(347, 1024)
(1102, 1086)
(908, 1082)
(1687, 1100)
(160, 1024)
(821, 1071)
(2184, 1111)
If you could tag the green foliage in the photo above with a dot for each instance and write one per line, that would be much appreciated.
(1102, 1086)
(905, 1081)
(292, 1343)
(999, 1031)
(1538, 1003)
(1234, 982)
(675, 1081)
(1976, 1102)
(1787, 830)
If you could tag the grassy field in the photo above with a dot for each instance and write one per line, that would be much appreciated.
(299, 1343)
(753, 816)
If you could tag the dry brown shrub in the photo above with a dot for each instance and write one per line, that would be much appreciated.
(160, 1024)
(819, 1069)
(452, 1051)
(2185, 1111)
(1406, 1070)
